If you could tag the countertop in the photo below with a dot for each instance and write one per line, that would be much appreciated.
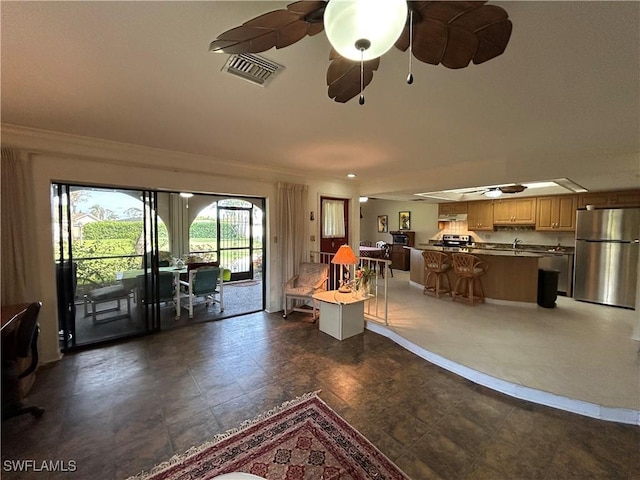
(501, 250)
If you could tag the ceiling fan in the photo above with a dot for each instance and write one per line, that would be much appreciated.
(451, 33)
(495, 192)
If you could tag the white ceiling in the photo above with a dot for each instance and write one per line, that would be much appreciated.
(562, 101)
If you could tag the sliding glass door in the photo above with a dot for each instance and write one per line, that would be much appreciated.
(106, 244)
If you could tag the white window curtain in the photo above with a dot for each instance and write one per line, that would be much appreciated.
(178, 226)
(292, 227)
(19, 280)
(333, 219)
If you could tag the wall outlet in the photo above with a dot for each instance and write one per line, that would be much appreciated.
(487, 236)
(313, 238)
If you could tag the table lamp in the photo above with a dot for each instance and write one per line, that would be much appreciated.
(344, 256)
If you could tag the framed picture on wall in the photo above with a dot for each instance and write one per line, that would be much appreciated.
(405, 220)
(383, 223)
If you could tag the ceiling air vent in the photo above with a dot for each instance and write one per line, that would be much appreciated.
(253, 68)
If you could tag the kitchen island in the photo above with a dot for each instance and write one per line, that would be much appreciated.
(512, 274)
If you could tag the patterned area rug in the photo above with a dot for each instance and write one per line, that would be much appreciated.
(304, 439)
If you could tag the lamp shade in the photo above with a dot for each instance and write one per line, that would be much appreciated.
(344, 256)
(377, 22)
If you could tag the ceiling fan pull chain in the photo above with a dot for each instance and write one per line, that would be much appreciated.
(361, 99)
(410, 76)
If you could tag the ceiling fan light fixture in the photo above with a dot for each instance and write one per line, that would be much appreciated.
(350, 24)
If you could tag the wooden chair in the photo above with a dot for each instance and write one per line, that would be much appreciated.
(311, 278)
(468, 268)
(436, 266)
(386, 255)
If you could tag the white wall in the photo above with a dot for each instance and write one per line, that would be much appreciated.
(58, 157)
(424, 219)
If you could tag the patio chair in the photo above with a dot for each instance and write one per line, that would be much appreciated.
(166, 287)
(311, 278)
(202, 282)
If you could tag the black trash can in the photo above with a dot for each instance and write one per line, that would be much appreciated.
(547, 287)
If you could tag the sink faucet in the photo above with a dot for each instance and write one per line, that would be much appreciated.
(516, 242)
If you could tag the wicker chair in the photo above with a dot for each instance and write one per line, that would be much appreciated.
(469, 268)
(311, 278)
(436, 266)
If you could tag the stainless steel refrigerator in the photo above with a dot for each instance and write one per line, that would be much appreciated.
(606, 261)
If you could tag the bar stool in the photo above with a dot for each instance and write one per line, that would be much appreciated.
(436, 266)
(468, 268)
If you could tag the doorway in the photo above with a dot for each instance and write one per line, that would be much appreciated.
(116, 250)
(334, 229)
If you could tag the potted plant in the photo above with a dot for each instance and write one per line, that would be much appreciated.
(363, 278)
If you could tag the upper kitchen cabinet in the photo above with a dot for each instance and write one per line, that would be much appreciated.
(557, 213)
(480, 215)
(452, 208)
(609, 199)
(520, 211)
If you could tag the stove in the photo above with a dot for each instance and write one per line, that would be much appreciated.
(455, 241)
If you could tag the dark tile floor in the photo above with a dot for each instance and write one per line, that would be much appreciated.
(123, 408)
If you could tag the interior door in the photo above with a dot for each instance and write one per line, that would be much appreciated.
(334, 229)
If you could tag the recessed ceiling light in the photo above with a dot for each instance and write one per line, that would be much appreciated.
(364, 199)
(351, 175)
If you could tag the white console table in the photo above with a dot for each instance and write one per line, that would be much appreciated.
(341, 314)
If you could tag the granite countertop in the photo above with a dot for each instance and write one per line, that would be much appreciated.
(520, 253)
(503, 248)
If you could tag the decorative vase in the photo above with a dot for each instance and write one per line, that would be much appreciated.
(363, 289)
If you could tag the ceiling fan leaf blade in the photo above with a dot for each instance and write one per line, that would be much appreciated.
(446, 12)
(343, 78)
(429, 41)
(278, 28)
(402, 43)
(306, 7)
(315, 28)
(273, 20)
(493, 41)
(479, 18)
(455, 33)
(292, 33)
(225, 46)
(462, 46)
(249, 39)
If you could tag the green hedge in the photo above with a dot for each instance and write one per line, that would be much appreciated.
(203, 229)
(207, 229)
(110, 229)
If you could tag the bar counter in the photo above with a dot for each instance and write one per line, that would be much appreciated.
(512, 274)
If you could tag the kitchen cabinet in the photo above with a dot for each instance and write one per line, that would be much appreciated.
(400, 257)
(557, 213)
(480, 215)
(520, 211)
(609, 199)
(452, 208)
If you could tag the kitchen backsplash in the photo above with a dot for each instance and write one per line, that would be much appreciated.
(527, 235)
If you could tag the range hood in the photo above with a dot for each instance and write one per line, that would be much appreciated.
(453, 217)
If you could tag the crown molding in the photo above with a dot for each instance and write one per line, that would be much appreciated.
(46, 142)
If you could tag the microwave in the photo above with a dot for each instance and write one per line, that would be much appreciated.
(400, 239)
